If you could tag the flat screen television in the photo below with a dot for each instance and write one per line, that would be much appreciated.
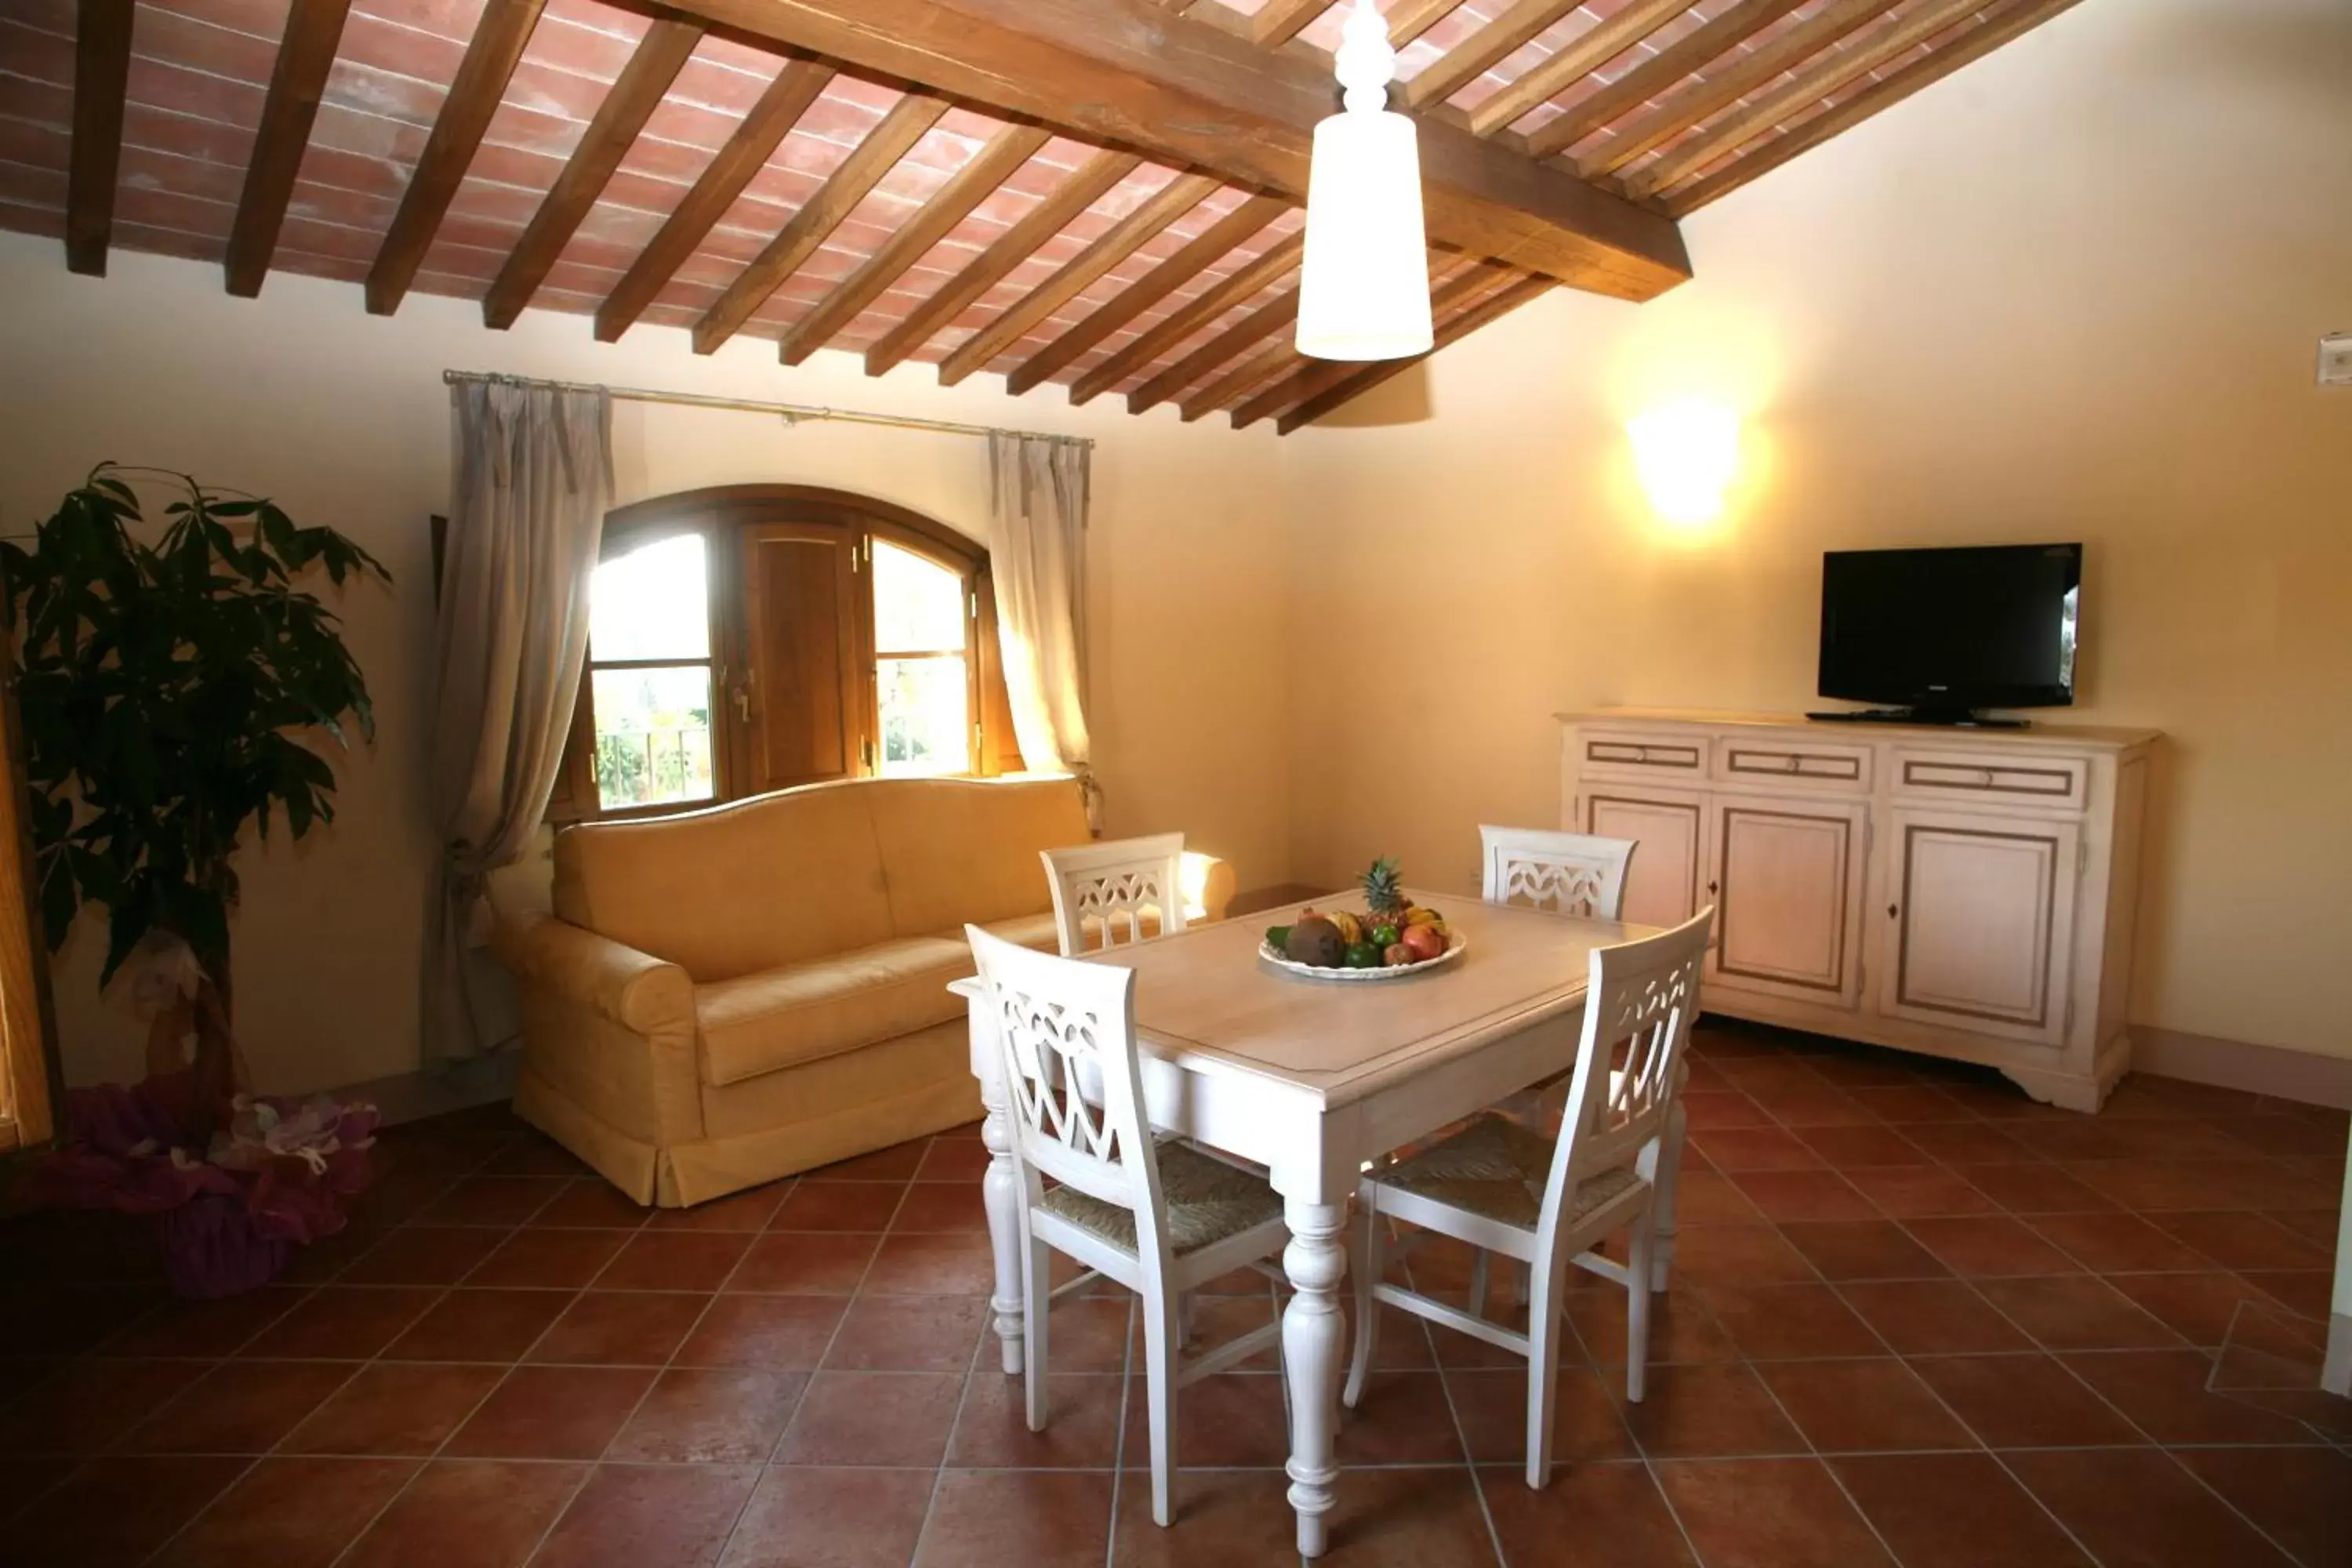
(1944, 633)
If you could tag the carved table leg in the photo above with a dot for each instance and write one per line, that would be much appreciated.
(1662, 1164)
(1313, 1336)
(1000, 1196)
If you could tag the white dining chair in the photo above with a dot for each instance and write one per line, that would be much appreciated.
(1573, 873)
(1159, 1217)
(1103, 888)
(1509, 1190)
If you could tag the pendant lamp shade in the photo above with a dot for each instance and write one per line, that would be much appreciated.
(1363, 289)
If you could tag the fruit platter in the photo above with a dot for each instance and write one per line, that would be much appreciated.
(1390, 937)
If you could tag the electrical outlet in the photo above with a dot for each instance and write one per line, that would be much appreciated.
(2335, 360)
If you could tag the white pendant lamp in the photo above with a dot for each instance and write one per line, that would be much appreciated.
(1363, 289)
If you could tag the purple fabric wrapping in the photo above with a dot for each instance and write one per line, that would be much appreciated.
(214, 1247)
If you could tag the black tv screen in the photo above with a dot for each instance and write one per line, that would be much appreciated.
(1942, 630)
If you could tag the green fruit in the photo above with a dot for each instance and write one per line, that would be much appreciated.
(1315, 941)
(1384, 936)
(1363, 956)
(1279, 938)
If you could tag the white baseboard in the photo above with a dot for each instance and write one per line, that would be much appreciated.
(2239, 1063)
(461, 1086)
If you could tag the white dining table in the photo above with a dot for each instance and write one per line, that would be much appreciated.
(1312, 1078)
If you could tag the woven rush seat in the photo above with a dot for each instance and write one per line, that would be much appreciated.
(1207, 1201)
(1498, 1168)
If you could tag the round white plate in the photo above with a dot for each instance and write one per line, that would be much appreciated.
(1454, 946)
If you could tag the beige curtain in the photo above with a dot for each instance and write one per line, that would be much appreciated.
(530, 478)
(1037, 552)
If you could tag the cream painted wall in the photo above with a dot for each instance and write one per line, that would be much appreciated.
(342, 417)
(2070, 293)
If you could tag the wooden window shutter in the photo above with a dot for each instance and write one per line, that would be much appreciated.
(999, 748)
(805, 657)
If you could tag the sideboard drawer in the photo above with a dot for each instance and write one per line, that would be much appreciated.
(1639, 756)
(1947, 776)
(1845, 769)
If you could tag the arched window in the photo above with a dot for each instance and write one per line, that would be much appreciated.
(755, 638)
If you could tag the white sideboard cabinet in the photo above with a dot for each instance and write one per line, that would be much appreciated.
(1966, 893)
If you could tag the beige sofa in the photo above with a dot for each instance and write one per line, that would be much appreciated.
(713, 1000)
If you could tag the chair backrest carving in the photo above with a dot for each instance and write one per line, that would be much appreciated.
(1574, 873)
(1108, 887)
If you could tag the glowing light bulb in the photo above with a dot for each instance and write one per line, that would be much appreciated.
(1686, 453)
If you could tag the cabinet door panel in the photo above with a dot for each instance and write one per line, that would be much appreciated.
(1983, 909)
(1789, 897)
(808, 695)
(1662, 883)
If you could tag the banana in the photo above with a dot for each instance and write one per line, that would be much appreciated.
(1351, 930)
(1417, 916)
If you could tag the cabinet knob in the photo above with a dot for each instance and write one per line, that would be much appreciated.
(1890, 911)
(1711, 887)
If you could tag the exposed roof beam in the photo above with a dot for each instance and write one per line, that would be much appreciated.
(1260, 367)
(1738, 78)
(635, 93)
(305, 55)
(1657, 74)
(2019, 17)
(855, 176)
(1279, 21)
(481, 82)
(1596, 46)
(1130, 234)
(1212, 243)
(949, 206)
(1500, 303)
(1409, 19)
(747, 151)
(102, 73)
(1469, 60)
(1188, 92)
(1277, 261)
(1454, 285)
(1253, 328)
(1085, 186)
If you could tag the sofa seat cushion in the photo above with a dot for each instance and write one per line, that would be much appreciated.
(804, 1012)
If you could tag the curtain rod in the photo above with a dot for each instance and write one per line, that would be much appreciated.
(791, 411)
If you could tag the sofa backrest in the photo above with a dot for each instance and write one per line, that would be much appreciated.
(806, 873)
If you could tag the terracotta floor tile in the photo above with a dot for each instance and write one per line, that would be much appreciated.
(86, 1406)
(1084, 1413)
(239, 1407)
(942, 1207)
(479, 1325)
(201, 1328)
(2077, 1312)
(1711, 1109)
(1968, 1143)
(632, 1516)
(748, 1210)
(1773, 1322)
(1707, 1411)
(423, 1255)
(1805, 1195)
(22, 1481)
(1222, 1517)
(2304, 1290)
(2164, 1395)
(910, 1333)
(1862, 1249)
(493, 1200)
(896, 1163)
(1683, 1327)
(953, 1160)
(535, 1154)
(619, 1328)
(289, 1514)
(551, 1413)
(1705, 1196)
(2138, 1505)
(1989, 1247)
(1919, 1192)
(2198, 1307)
(1850, 1407)
(1414, 1519)
(1782, 1072)
(806, 1264)
(1591, 1516)
(1040, 1518)
(2024, 1401)
(1752, 1253)
(2295, 1496)
(344, 1322)
(1903, 1103)
(2312, 1224)
(930, 1265)
(1406, 1418)
(2243, 1241)
(886, 1418)
(2116, 1242)
(1799, 1108)
(594, 1204)
(1231, 1420)
(675, 1260)
(840, 1206)
(394, 1408)
(801, 1517)
(1933, 1317)
(1849, 1147)
(1769, 1513)
(1586, 1423)
(467, 1513)
(1955, 1511)
(548, 1260)
(114, 1513)
(773, 1333)
(1737, 1149)
(2039, 1188)
(709, 1417)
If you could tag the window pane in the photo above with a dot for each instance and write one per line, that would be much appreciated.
(919, 607)
(652, 603)
(926, 725)
(653, 736)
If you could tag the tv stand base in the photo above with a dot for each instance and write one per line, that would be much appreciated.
(1954, 717)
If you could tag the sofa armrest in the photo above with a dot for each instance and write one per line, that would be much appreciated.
(635, 990)
(1208, 886)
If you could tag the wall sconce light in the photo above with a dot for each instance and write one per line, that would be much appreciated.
(1686, 453)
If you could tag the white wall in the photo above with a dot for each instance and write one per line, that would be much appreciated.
(342, 417)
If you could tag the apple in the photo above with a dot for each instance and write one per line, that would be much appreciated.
(1424, 942)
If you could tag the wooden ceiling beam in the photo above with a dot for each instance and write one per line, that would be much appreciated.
(1278, 261)
(1083, 187)
(1453, 286)
(1279, 21)
(1130, 234)
(305, 55)
(1275, 359)
(635, 93)
(1737, 79)
(1492, 308)
(1260, 324)
(1594, 48)
(852, 178)
(1409, 19)
(747, 151)
(2019, 17)
(1128, 73)
(1658, 74)
(1809, 86)
(1210, 246)
(1472, 58)
(949, 206)
(481, 82)
(101, 79)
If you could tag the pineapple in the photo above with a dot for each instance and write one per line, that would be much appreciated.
(1380, 892)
